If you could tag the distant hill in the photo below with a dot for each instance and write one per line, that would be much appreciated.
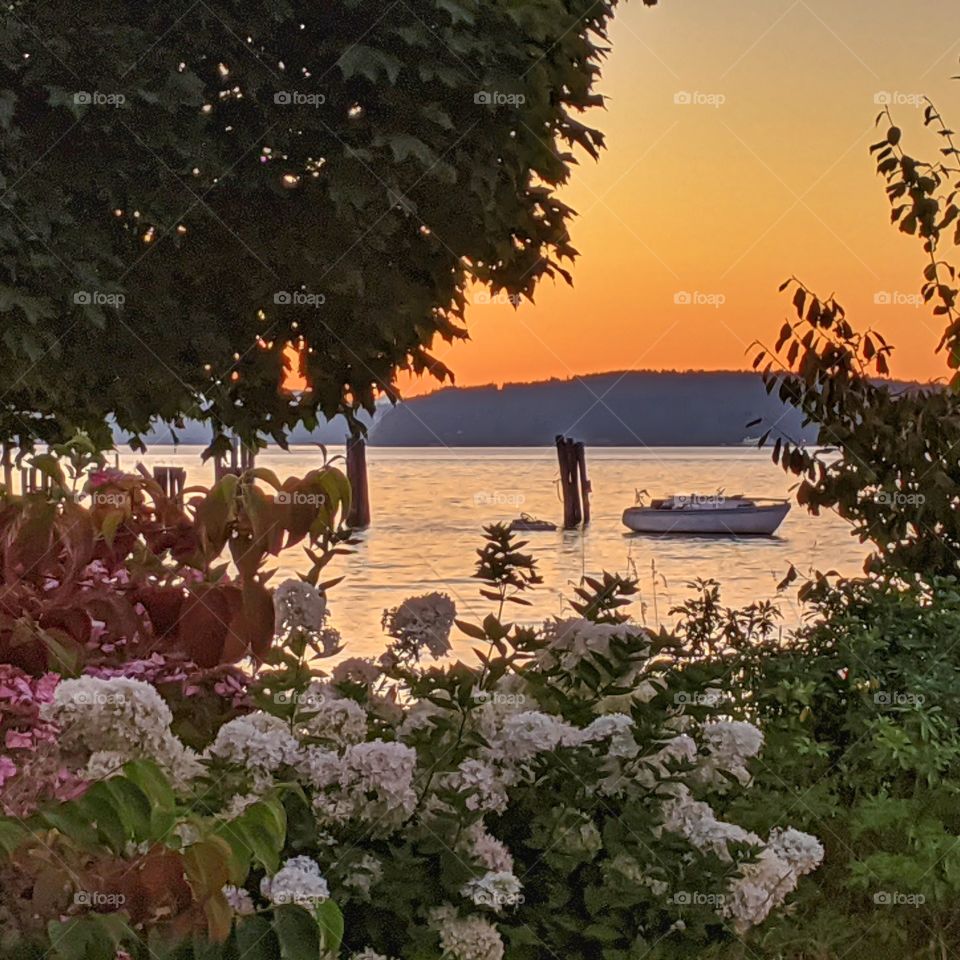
(608, 409)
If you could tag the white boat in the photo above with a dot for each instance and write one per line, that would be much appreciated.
(714, 514)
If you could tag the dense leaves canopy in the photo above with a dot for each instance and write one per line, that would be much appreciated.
(188, 190)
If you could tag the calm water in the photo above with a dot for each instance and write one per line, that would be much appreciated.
(429, 505)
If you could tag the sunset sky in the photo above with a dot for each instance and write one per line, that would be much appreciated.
(723, 202)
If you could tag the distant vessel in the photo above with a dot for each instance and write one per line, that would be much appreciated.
(713, 514)
(749, 441)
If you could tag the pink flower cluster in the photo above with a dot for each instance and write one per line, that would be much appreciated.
(30, 770)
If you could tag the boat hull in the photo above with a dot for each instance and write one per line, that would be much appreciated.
(754, 521)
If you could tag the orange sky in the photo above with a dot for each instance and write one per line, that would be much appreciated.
(723, 202)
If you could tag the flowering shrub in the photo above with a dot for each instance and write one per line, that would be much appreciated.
(861, 718)
(554, 798)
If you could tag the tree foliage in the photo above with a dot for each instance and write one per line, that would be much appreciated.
(186, 193)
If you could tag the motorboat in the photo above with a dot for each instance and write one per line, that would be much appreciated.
(713, 514)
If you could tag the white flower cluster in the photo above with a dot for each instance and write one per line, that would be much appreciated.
(466, 938)
(570, 641)
(483, 847)
(299, 605)
(495, 889)
(523, 736)
(239, 901)
(106, 722)
(482, 783)
(421, 622)
(330, 718)
(729, 745)
(258, 742)
(298, 881)
(357, 670)
(372, 782)
(763, 884)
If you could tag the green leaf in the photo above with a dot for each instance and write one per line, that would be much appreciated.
(297, 933)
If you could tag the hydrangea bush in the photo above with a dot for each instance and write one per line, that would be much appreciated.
(556, 796)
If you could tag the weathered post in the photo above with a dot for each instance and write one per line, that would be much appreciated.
(242, 459)
(359, 515)
(7, 469)
(566, 457)
(585, 488)
(172, 480)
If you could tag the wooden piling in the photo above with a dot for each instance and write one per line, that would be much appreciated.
(569, 478)
(585, 488)
(359, 515)
(242, 458)
(172, 480)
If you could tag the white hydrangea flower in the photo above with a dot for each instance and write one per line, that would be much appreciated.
(488, 789)
(696, 822)
(495, 889)
(297, 604)
(572, 640)
(485, 849)
(466, 938)
(618, 729)
(298, 881)
(357, 670)
(525, 735)
(368, 954)
(241, 903)
(258, 742)
(111, 721)
(421, 622)
(729, 745)
(332, 718)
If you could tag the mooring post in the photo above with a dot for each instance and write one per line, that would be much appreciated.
(566, 457)
(585, 488)
(7, 470)
(172, 480)
(359, 515)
